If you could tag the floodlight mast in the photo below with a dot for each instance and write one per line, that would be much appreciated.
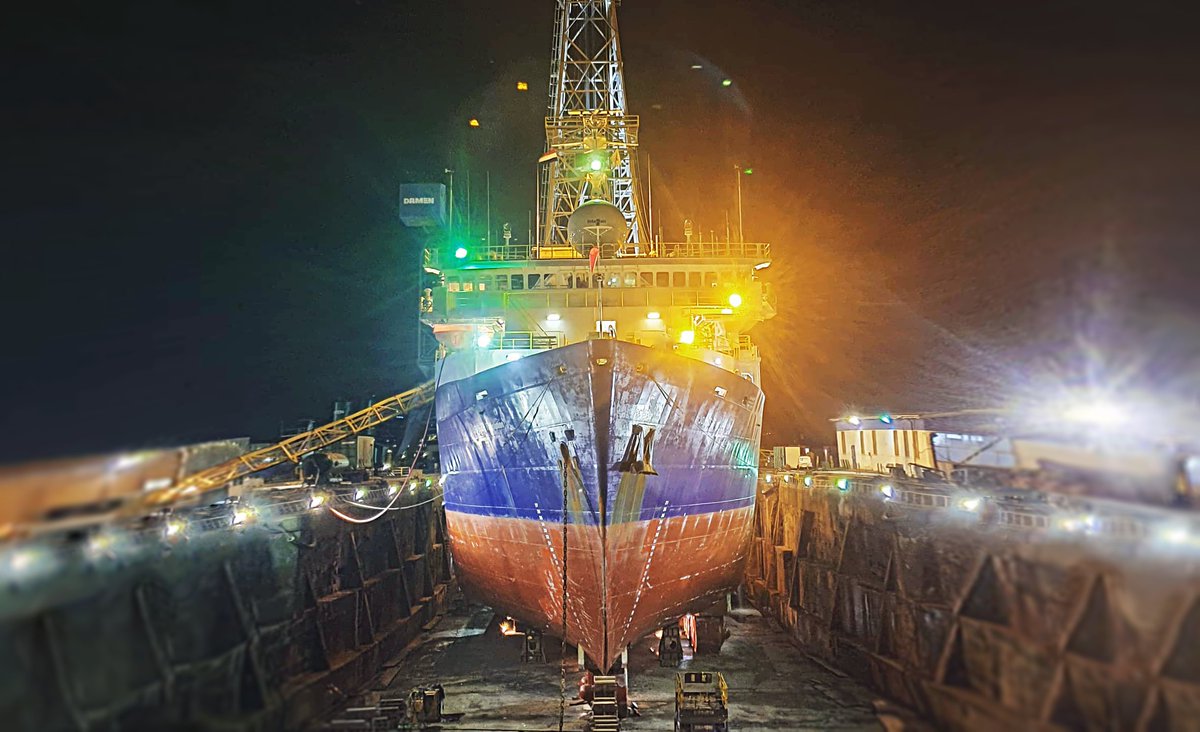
(586, 121)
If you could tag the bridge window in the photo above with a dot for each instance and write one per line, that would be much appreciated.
(517, 282)
(693, 280)
(662, 279)
(453, 284)
(501, 282)
(645, 279)
(710, 279)
(631, 279)
(678, 279)
(485, 282)
(534, 280)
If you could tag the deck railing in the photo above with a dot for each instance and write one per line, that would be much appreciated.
(667, 250)
(527, 340)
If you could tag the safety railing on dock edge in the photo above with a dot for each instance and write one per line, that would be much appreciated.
(108, 538)
(1153, 528)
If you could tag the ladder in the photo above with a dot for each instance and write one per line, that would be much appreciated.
(293, 449)
(605, 717)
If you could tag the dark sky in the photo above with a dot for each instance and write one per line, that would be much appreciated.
(199, 199)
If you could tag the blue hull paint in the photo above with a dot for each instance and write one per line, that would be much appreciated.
(500, 433)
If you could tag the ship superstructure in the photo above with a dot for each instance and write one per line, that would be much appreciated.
(597, 387)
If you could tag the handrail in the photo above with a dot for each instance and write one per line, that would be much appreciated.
(526, 340)
(759, 251)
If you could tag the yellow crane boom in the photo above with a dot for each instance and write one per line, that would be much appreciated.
(293, 448)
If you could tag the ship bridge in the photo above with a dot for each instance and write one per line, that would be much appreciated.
(699, 298)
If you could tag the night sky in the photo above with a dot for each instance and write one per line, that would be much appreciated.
(199, 199)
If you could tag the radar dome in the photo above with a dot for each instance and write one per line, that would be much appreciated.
(597, 222)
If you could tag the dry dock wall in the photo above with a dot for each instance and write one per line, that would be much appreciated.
(980, 628)
(260, 628)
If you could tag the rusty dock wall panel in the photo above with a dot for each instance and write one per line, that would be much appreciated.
(258, 628)
(979, 628)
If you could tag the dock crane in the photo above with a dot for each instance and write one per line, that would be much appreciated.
(293, 449)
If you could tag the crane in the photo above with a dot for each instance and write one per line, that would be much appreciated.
(290, 450)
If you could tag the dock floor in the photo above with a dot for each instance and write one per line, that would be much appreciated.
(772, 685)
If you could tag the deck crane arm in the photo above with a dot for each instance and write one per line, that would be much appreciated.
(293, 448)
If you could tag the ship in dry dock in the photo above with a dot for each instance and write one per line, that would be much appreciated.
(597, 385)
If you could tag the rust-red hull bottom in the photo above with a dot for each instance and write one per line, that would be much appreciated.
(653, 571)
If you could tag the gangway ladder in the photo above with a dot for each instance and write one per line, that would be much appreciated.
(293, 449)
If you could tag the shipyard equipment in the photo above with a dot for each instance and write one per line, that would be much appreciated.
(670, 646)
(606, 714)
(701, 702)
(294, 449)
(425, 705)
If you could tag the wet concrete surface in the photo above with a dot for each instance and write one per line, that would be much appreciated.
(772, 685)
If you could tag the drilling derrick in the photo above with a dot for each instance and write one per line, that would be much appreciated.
(590, 140)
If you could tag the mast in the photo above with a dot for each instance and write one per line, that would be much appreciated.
(592, 139)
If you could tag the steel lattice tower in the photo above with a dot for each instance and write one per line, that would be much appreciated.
(590, 140)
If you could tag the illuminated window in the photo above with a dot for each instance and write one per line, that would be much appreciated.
(631, 279)
(468, 286)
(485, 282)
(452, 284)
